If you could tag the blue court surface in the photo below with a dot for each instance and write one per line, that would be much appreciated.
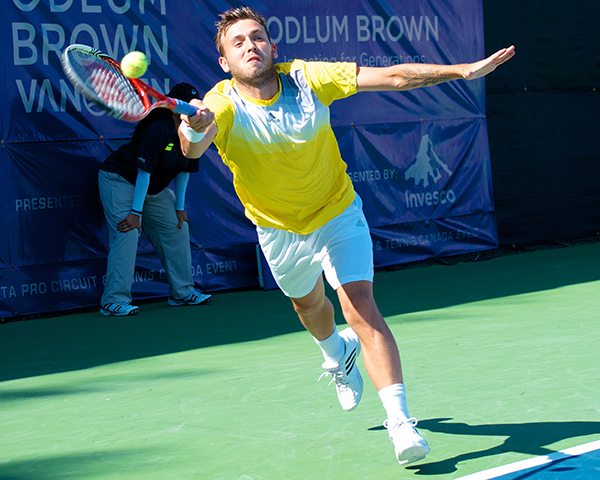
(576, 463)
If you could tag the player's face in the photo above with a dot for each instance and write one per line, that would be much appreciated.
(247, 53)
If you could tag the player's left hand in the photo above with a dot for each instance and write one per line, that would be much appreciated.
(489, 64)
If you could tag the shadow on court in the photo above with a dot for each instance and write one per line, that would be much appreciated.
(526, 438)
(94, 464)
(71, 342)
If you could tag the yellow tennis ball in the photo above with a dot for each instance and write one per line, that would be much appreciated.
(134, 64)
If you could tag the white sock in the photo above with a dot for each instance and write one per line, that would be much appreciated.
(333, 347)
(393, 398)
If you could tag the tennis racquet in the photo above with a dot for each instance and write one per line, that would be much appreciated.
(99, 78)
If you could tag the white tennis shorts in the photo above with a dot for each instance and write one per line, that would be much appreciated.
(342, 248)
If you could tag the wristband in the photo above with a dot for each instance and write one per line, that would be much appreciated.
(192, 135)
(136, 212)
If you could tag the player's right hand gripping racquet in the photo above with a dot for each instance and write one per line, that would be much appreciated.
(99, 78)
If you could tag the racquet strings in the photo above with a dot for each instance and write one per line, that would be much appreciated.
(105, 84)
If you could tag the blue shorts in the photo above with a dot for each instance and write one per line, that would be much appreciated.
(342, 249)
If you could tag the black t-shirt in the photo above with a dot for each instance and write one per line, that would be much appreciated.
(156, 150)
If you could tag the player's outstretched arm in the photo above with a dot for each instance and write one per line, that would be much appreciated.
(407, 76)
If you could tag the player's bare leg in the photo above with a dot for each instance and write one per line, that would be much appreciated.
(340, 350)
(380, 351)
(316, 312)
(382, 361)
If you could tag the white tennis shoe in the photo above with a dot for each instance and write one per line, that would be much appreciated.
(408, 444)
(118, 309)
(345, 374)
(195, 298)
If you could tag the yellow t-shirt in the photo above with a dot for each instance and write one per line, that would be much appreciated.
(286, 164)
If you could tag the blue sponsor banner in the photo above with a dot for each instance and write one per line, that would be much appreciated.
(47, 288)
(416, 241)
(419, 159)
(419, 170)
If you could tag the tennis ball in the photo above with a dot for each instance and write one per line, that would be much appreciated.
(134, 64)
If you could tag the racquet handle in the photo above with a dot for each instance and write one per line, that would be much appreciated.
(184, 108)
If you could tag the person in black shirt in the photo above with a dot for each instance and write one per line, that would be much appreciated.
(133, 183)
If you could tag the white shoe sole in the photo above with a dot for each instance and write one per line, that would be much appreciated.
(414, 454)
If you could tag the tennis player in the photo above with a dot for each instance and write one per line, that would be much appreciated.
(270, 124)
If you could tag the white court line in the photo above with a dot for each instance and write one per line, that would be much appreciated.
(533, 462)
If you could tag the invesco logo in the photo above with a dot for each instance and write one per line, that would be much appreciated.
(427, 168)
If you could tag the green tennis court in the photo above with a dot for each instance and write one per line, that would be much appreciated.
(500, 360)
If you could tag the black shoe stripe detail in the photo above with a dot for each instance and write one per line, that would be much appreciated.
(351, 360)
